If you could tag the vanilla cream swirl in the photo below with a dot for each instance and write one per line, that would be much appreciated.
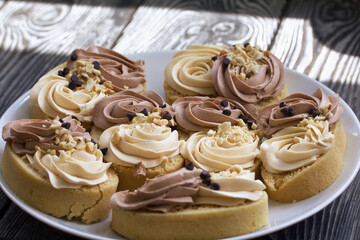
(71, 169)
(236, 187)
(294, 147)
(217, 151)
(189, 72)
(130, 144)
(52, 95)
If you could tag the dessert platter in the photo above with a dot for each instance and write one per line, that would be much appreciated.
(203, 181)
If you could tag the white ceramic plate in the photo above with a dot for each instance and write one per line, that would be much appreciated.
(281, 214)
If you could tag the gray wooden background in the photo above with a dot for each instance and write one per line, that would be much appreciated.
(319, 38)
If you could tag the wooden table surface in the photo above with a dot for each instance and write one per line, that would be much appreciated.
(319, 38)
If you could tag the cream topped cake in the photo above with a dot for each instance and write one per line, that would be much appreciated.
(51, 164)
(305, 152)
(74, 87)
(190, 203)
(249, 74)
(142, 149)
(189, 72)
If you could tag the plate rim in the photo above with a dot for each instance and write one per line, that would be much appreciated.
(43, 217)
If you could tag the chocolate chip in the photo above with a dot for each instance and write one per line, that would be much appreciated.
(189, 166)
(245, 118)
(207, 181)
(93, 141)
(205, 174)
(226, 61)
(237, 107)
(60, 120)
(314, 112)
(246, 44)
(130, 116)
(173, 128)
(61, 73)
(73, 56)
(104, 150)
(167, 116)
(214, 186)
(74, 78)
(163, 106)
(282, 104)
(144, 111)
(65, 125)
(249, 124)
(226, 112)
(224, 103)
(291, 111)
(284, 111)
(66, 71)
(78, 84)
(72, 85)
(96, 65)
(214, 58)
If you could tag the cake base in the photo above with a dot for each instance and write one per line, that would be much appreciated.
(171, 95)
(311, 179)
(88, 204)
(197, 222)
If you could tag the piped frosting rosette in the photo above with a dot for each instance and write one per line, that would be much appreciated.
(147, 141)
(121, 107)
(63, 152)
(74, 93)
(122, 72)
(217, 151)
(248, 74)
(293, 109)
(294, 147)
(193, 114)
(184, 187)
(189, 72)
(25, 134)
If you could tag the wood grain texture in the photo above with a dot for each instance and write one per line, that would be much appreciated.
(321, 39)
(177, 24)
(36, 36)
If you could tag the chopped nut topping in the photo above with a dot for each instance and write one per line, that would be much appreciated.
(90, 78)
(153, 117)
(248, 59)
(55, 124)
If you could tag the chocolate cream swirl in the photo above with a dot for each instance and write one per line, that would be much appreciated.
(248, 74)
(167, 192)
(271, 118)
(114, 109)
(193, 114)
(25, 134)
(161, 194)
(121, 71)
